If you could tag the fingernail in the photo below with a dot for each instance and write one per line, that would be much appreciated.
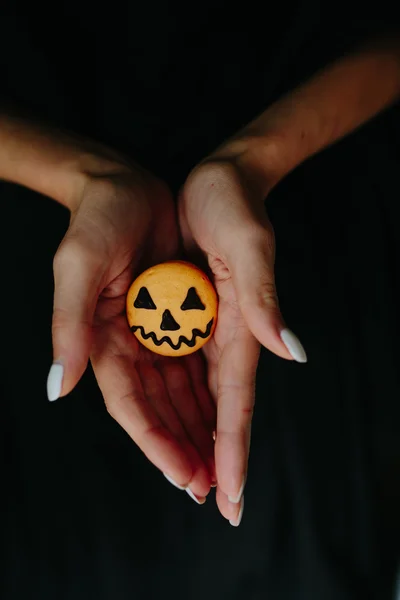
(184, 489)
(236, 522)
(54, 381)
(195, 498)
(237, 499)
(168, 478)
(294, 345)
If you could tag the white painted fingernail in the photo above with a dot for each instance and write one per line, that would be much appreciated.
(195, 498)
(54, 381)
(236, 522)
(185, 489)
(168, 478)
(294, 345)
(237, 499)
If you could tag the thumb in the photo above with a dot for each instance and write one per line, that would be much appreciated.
(77, 278)
(251, 264)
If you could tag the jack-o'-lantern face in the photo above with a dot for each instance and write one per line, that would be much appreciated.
(172, 308)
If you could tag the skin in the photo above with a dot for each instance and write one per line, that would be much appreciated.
(124, 219)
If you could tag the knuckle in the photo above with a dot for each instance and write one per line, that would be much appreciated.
(267, 290)
(115, 403)
(78, 254)
(66, 323)
(150, 432)
(67, 254)
(263, 293)
(60, 318)
(233, 435)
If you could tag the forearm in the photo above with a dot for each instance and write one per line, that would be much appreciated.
(332, 104)
(51, 163)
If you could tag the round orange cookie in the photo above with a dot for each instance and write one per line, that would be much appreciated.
(172, 308)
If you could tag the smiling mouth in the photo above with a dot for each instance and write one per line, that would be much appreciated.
(196, 333)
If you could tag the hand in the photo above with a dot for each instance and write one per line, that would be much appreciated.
(123, 221)
(221, 213)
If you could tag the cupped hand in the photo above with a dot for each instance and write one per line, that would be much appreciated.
(123, 221)
(222, 219)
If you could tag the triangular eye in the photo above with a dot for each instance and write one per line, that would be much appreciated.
(144, 300)
(192, 301)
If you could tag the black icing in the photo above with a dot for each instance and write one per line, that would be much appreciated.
(182, 339)
(144, 300)
(168, 322)
(192, 301)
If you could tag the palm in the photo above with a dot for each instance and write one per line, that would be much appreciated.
(163, 404)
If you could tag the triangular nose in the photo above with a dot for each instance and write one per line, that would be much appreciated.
(168, 322)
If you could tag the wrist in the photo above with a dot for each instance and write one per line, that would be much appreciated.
(333, 103)
(53, 163)
(259, 158)
(86, 167)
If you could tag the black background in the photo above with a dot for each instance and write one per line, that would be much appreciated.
(84, 515)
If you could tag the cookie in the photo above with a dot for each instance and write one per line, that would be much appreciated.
(172, 308)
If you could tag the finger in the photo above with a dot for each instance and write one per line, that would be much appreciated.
(156, 393)
(198, 379)
(251, 263)
(182, 398)
(113, 359)
(232, 512)
(212, 375)
(212, 379)
(77, 282)
(236, 386)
